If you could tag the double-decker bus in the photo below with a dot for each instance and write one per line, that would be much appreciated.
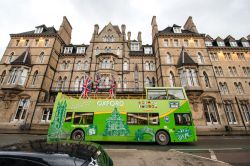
(162, 116)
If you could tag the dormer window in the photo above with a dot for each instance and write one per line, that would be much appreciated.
(221, 43)
(134, 46)
(177, 29)
(68, 50)
(208, 43)
(80, 50)
(148, 50)
(39, 30)
(245, 44)
(233, 44)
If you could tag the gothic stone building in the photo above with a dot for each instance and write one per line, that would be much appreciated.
(37, 64)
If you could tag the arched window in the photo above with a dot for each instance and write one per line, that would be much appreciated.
(147, 65)
(118, 52)
(78, 65)
(151, 65)
(125, 83)
(136, 73)
(85, 65)
(206, 80)
(59, 83)
(41, 57)
(239, 88)
(107, 81)
(125, 65)
(119, 82)
(147, 82)
(34, 78)
(2, 76)
(169, 58)
(171, 79)
(64, 83)
(64, 65)
(153, 81)
(200, 58)
(106, 50)
(11, 57)
(97, 51)
(77, 84)
(67, 64)
(109, 50)
(81, 83)
(226, 90)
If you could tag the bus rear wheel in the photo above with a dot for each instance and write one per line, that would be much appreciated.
(77, 135)
(162, 138)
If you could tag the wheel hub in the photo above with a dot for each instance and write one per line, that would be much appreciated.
(162, 137)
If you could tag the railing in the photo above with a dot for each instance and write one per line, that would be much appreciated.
(100, 90)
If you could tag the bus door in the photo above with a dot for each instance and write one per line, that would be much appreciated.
(183, 126)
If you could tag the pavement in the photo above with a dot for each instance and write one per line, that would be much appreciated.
(209, 150)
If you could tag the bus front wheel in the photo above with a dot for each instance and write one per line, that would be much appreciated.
(78, 135)
(162, 138)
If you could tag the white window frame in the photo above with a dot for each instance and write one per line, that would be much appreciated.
(230, 115)
(38, 30)
(46, 42)
(211, 111)
(24, 109)
(48, 115)
(177, 29)
(221, 43)
(165, 43)
(208, 43)
(185, 43)
(245, 44)
(135, 46)
(80, 50)
(233, 44)
(148, 50)
(68, 50)
(176, 43)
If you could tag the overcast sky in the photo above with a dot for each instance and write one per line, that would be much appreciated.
(213, 17)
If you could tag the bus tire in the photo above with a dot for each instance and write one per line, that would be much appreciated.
(78, 135)
(162, 138)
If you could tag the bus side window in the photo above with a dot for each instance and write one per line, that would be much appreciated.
(137, 118)
(182, 119)
(153, 118)
(87, 118)
(68, 117)
(77, 118)
(83, 118)
(175, 94)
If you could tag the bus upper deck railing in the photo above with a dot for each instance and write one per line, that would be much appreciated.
(107, 96)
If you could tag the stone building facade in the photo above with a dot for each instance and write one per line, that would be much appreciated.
(37, 64)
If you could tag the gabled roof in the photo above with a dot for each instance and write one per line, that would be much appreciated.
(46, 31)
(229, 38)
(23, 59)
(208, 38)
(185, 59)
(169, 30)
(243, 39)
(219, 39)
(115, 27)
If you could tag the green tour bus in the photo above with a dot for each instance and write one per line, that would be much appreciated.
(163, 116)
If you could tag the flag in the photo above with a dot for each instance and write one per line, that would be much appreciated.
(112, 88)
(86, 87)
(97, 82)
